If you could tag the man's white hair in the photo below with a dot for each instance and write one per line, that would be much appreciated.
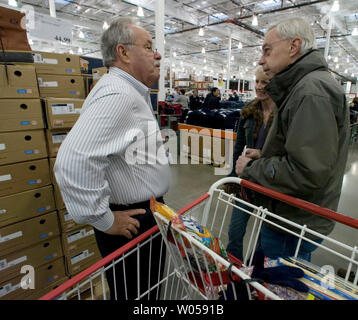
(120, 31)
(296, 28)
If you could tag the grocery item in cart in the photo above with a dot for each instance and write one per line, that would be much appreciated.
(197, 231)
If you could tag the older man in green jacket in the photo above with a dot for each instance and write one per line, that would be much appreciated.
(306, 150)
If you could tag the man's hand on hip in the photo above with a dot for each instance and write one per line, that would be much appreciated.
(124, 224)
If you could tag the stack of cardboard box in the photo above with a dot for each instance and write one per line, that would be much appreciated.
(29, 229)
(62, 90)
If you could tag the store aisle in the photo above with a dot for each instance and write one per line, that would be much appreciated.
(191, 181)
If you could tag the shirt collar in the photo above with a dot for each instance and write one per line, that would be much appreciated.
(139, 86)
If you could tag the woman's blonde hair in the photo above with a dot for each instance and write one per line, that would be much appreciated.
(260, 73)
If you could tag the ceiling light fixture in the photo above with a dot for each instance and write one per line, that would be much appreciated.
(80, 50)
(335, 59)
(105, 25)
(12, 3)
(254, 20)
(81, 35)
(203, 50)
(174, 54)
(140, 12)
(240, 45)
(204, 60)
(201, 32)
(335, 6)
(355, 32)
(232, 58)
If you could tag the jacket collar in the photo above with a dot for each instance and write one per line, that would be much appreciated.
(283, 82)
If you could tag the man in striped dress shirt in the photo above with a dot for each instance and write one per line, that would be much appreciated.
(100, 183)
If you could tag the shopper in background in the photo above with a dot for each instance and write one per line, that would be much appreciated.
(212, 99)
(255, 122)
(98, 185)
(354, 106)
(305, 153)
(194, 101)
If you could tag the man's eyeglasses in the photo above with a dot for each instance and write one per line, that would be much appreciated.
(148, 47)
(267, 48)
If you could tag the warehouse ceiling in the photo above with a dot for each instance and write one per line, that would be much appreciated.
(219, 19)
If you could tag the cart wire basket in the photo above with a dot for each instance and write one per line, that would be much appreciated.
(194, 271)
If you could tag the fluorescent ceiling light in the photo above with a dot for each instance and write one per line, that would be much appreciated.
(203, 50)
(355, 32)
(335, 6)
(81, 35)
(232, 58)
(140, 12)
(201, 32)
(335, 59)
(105, 25)
(204, 60)
(174, 54)
(80, 50)
(240, 45)
(12, 3)
(254, 20)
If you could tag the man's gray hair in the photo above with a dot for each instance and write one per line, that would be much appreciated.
(296, 28)
(119, 31)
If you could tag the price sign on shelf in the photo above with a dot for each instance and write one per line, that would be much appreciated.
(51, 29)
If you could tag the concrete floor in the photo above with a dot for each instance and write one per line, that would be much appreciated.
(191, 181)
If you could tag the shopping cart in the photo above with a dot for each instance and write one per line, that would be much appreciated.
(194, 271)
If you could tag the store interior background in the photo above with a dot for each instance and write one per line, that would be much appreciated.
(207, 41)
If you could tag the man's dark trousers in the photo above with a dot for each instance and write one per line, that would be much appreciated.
(129, 281)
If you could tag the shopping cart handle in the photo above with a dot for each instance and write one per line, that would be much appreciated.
(299, 203)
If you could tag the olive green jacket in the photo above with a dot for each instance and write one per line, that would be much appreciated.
(305, 152)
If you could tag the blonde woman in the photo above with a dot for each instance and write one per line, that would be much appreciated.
(255, 122)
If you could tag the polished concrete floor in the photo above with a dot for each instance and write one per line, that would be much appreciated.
(191, 181)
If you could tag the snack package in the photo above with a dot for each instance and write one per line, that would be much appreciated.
(197, 231)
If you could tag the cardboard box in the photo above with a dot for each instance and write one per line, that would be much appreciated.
(24, 176)
(26, 233)
(26, 205)
(44, 276)
(52, 174)
(18, 81)
(56, 63)
(54, 140)
(62, 113)
(60, 205)
(58, 198)
(67, 224)
(36, 256)
(97, 73)
(13, 34)
(61, 86)
(22, 146)
(20, 114)
(82, 258)
(37, 294)
(73, 240)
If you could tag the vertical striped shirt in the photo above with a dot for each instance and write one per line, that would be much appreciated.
(96, 165)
